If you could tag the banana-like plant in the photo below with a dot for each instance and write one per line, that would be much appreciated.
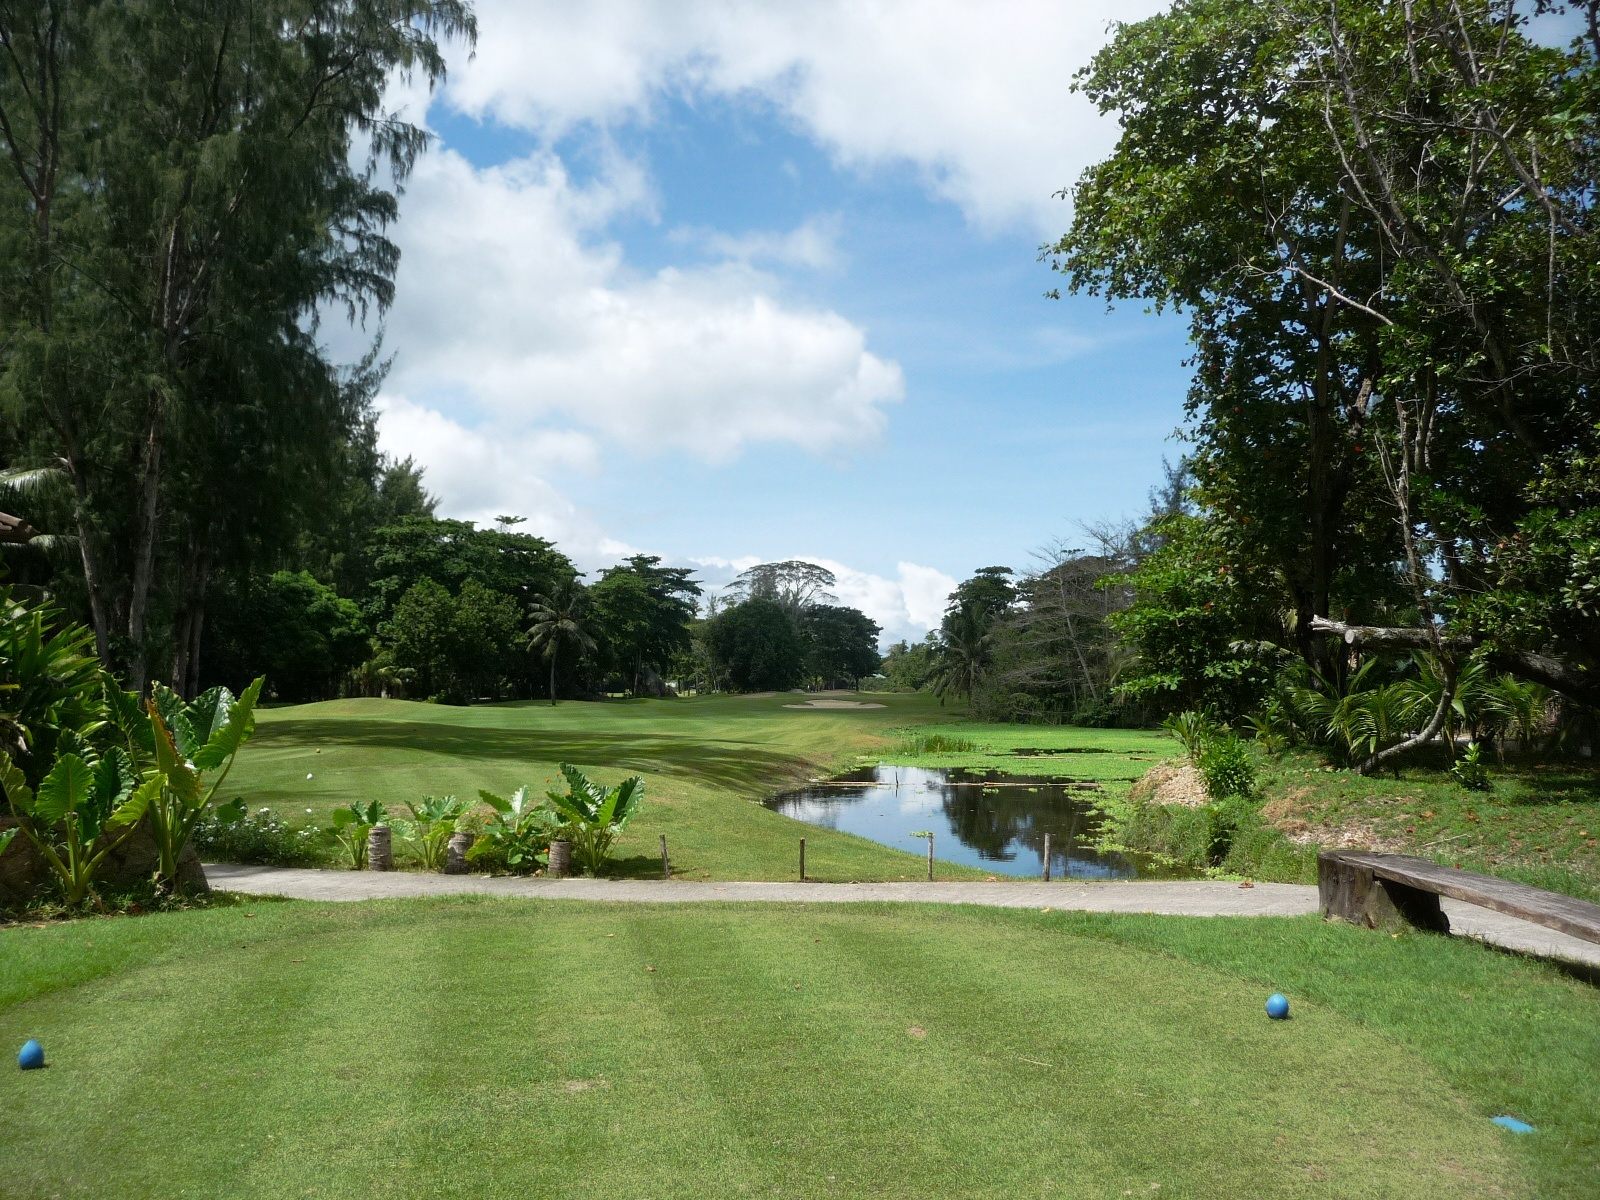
(351, 826)
(183, 743)
(593, 816)
(520, 827)
(82, 810)
(428, 834)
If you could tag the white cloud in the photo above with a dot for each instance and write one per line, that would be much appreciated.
(510, 307)
(975, 96)
(906, 607)
(813, 244)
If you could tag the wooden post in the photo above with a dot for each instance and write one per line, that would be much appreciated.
(1047, 858)
(930, 858)
(380, 849)
(802, 860)
(560, 858)
(455, 855)
(666, 870)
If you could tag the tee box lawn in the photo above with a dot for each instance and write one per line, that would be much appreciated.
(481, 1047)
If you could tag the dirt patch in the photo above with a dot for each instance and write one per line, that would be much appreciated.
(834, 704)
(1170, 782)
(1300, 823)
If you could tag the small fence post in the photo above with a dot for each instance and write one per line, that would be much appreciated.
(1047, 858)
(802, 860)
(455, 855)
(666, 870)
(930, 858)
(380, 849)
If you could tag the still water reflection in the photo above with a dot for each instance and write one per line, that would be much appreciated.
(996, 822)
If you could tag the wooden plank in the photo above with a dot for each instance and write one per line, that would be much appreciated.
(1568, 914)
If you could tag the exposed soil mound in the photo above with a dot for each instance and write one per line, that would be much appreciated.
(1172, 782)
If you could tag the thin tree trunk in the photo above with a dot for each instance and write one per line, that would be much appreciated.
(91, 564)
(145, 551)
(552, 674)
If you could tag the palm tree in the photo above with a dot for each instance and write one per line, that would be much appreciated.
(965, 655)
(556, 617)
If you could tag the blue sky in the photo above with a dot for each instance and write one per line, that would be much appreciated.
(750, 285)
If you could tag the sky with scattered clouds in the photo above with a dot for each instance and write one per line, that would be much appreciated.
(732, 282)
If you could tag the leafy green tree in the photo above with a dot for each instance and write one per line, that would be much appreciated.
(910, 666)
(841, 643)
(758, 646)
(1190, 624)
(642, 613)
(183, 194)
(298, 632)
(1388, 266)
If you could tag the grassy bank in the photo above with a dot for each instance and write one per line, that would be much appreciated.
(487, 1048)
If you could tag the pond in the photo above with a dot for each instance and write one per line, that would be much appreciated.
(994, 822)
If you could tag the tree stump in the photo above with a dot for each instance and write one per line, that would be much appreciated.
(560, 859)
(455, 854)
(380, 853)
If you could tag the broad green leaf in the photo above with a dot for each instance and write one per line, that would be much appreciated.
(114, 781)
(130, 717)
(64, 790)
(230, 812)
(208, 713)
(170, 705)
(5, 838)
(235, 730)
(15, 784)
(493, 801)
(182, 779)
(136, 805)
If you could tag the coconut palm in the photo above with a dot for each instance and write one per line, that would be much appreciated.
(557, 617)
(965, 653)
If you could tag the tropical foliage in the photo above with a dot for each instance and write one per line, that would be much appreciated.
(592, 816)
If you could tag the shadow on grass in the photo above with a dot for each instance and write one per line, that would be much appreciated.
(735, 766)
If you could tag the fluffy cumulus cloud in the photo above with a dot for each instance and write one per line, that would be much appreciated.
(976, 96)
(514, 308)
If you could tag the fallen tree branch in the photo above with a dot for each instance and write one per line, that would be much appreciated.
(1575, 682)
(1427, 733)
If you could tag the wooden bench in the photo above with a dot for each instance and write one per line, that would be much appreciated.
(1386, 890)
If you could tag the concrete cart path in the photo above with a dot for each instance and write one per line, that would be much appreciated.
(1191, 898)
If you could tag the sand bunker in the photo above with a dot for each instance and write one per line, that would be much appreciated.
(834, 704)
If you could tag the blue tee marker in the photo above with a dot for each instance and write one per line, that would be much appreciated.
(1277, 1006)
(1513, 1124)
(31, 1056)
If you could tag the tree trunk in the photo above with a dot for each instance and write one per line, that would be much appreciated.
(145, 549)
(552, 675)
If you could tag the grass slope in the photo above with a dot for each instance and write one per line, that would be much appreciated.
(473, 1047)
(707, 762)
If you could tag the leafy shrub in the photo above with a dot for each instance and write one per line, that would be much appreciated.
(1227, 768)
(592, 816)
(1224, 818)
(351, 826)
(1193, 728)
(517, 833)
(259, 838)
(427, 835)
(1469, 770)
